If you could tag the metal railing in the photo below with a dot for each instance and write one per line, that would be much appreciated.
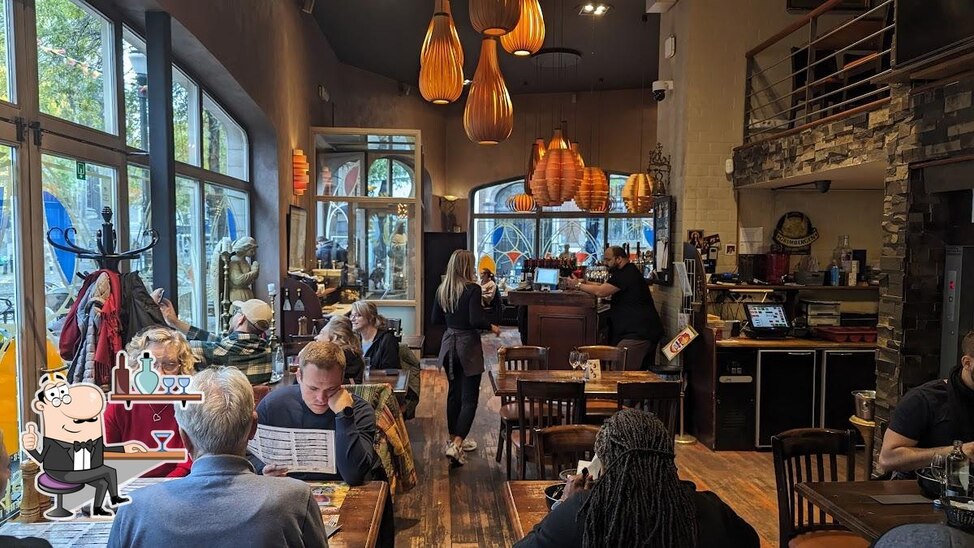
(820, 76)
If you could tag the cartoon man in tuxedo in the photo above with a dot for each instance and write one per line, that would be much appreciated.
(71, 449)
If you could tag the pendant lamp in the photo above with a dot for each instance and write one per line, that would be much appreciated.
(528, 36)
(593, 192)
(537, 153)
(489, 115)
(577, 153)
(441, 59)
(638, 193)
(494, 17)
(558, 174)
(521, 203)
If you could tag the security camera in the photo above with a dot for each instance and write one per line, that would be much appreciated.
(660, 87)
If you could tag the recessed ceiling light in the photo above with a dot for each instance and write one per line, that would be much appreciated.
(588, 8)
(594, 8)
(467, 81)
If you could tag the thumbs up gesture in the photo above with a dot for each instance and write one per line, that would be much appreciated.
(28, 440)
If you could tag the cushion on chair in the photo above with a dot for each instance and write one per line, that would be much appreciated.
(47, 483)
(829, 539)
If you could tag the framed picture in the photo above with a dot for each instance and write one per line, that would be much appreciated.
(663, 238)
(297, 237)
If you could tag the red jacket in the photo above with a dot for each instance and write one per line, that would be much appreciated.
(136, 424)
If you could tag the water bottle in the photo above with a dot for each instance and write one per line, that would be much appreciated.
(277, 364)
(958, 471)
(368, 369)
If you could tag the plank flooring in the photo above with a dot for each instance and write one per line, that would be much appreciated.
(464, 507)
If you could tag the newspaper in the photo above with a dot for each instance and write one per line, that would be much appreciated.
(66, 533)
(297, 449)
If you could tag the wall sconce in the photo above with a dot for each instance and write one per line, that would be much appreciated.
(299, 164)
(448, 216)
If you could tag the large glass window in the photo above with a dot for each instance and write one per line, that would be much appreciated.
(185, 118)
(189, 263)
(6, 53)
(140, 220)
(227, 220)
(224, 142)
(74, 49)
(134, 74)
(10, 374)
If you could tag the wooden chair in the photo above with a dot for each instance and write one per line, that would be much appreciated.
(541, 404)
(659, 398)
(811, 454)
(611, 358)
(515, 358)
(563, 447)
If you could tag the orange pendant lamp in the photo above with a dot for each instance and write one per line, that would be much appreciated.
(521, 203)
(489, 115)
(593, 192)
(528, 36)
(558, 174)
(441, 59)
(637, 193)
(494, 17)
(537, 153)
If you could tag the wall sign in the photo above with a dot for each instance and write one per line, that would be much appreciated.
(795, 232)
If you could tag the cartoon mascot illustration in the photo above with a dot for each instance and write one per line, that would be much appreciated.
(71, 448)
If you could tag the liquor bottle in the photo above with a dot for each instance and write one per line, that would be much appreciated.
(286, 304)
(278, 363)
(958, 471)
(122, 374)
(842, 256)
(299, 303)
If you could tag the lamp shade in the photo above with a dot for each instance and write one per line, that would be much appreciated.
(528, 36)
(521, 203)
(637, 193)
(494, 17)
(299, 169)
(537, 153)
(593, 192)
(577, 153)
(558, 175)
(489, 115)
(441, 59)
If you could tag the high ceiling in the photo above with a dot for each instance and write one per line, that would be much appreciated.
(384, 36)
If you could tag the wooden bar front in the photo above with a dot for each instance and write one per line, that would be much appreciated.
(561, 321)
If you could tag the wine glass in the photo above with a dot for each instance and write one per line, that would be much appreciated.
(162, 438)
(183, 381)
(169, 382)
(583, 362)
(574, 359)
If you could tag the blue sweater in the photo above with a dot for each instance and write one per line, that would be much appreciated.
(354, 436)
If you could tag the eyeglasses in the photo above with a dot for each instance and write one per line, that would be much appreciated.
(168, 368)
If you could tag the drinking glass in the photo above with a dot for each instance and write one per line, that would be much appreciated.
(162, 438)
(583, 363)
(573, 359)
(183, 381)
(368, 369)
(938, 469)
(169, 382)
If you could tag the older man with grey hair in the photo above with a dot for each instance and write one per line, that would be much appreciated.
(222, 502)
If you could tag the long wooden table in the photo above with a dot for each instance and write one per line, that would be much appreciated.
(607, 386)
(850, 503)
(526, 505)
(360, 515)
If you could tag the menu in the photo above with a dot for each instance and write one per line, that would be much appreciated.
(297, 449)
(64, 533)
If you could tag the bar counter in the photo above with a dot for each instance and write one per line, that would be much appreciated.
(562, 320)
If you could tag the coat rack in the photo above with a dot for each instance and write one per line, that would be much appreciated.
(105, 257)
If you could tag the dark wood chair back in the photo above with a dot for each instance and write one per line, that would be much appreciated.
(659, 398)
(563, 446)
(612, 358)
(521, 358)
(803, 455)
(541, 404)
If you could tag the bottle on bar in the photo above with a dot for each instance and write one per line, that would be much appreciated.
(298, 303)
(286, 304)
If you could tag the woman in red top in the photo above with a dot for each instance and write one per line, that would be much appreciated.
(173, 357)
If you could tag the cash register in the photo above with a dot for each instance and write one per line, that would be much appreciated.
(766, 321)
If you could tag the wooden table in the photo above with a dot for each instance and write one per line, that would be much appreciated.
(526, 505)
(850, 504)
(360, 515)
(398, 380)
(606, 386)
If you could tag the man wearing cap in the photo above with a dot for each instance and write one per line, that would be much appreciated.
(244, 346)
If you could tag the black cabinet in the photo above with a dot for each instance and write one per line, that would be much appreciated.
(785, 392)
(735, 392)
(437, 248)
(844, 371)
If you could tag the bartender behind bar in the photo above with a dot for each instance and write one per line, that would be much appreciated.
(634, 322)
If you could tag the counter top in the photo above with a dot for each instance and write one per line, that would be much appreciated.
(552, 298)
(793, 344)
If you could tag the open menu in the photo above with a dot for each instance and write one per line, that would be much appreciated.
(297, 449)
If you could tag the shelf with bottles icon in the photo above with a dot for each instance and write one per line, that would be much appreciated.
(146, 385)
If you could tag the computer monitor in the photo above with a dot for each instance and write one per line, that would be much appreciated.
(546, 276)
(767, 316)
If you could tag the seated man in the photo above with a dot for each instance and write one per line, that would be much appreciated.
(245, 347)
(639, 500)
(319, 401)
(221, 502)
(930, 417)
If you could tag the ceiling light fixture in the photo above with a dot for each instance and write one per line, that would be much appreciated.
(528, 36)
(494, 17)
(594, 8)
(558, 174)
(557, 58)
(441, 59)
(489, 115)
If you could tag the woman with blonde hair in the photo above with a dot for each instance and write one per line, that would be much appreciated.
(173, 356)
(378, 343)
(458, 305)
(339, 331)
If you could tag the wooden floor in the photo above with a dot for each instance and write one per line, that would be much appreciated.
(464, 507)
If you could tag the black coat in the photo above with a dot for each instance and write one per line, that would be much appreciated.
(138, 309)
(384, 351)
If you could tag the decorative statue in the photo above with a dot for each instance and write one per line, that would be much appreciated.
(397, 252)
(377, 278)
(243, 273)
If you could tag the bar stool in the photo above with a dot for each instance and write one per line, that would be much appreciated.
(867, 429)
(58, 489)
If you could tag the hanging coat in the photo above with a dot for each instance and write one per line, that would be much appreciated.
(139, 310)
(91, 335)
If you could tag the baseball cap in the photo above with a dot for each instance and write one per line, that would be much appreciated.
(256, 311)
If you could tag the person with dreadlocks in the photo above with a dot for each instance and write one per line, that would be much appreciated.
(638, 500)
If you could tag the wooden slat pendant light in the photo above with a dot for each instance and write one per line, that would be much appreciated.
(489, 115)
(441, 59)
(558, 174)
(528, 36)
(537, 153)
(520, 203)
(494, 17)
(638, 192)
(593, 193)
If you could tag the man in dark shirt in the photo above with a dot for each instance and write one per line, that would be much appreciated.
(635, 323)
(930, 417)
(319, 401)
